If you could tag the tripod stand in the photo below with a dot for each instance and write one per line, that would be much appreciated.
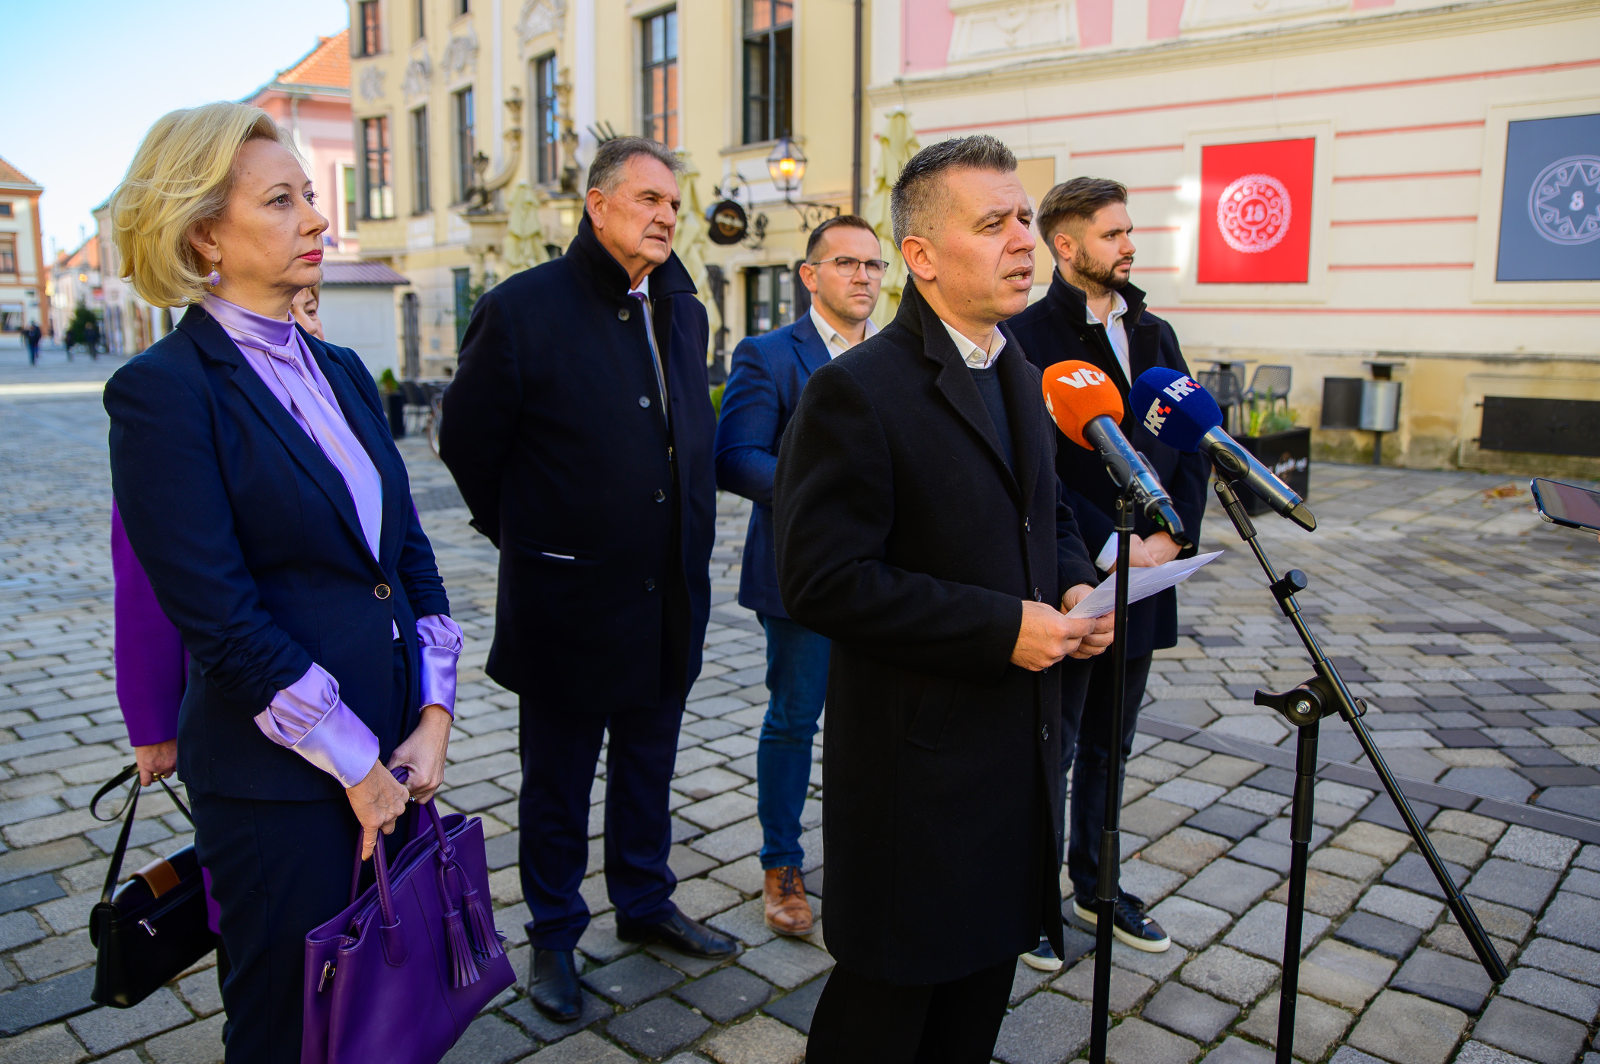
(1304, 707)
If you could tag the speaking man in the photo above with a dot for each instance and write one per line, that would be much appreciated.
(1094, 314)
(842, 272)
(579, 430)
(920, 527)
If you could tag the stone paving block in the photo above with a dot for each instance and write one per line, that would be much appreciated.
(635, 978)
(55, 955)
(1228, 821)
(23, 893)
(1317, 1025)
(656, 1028)
(45, 1002)
(201, 992)
(1402, 905)
(1475, 1052)
(1257, 800)
(1134, 1041)
(786, 962)
(1374, 840)
(1582, 881)
(1411, 871)
(1223, 770)
(1152, 817)
(1193, 793)
(1554, 993)
(761, 1040)
(797, 1007)
(732, 842)
(44, 1045)
(18, 928)
(699, 899)
(1369, 931)
(1261, 931)
(1408, 1030)
(726, 994)
(1344, 974)
(1045, 1029)
(1190, 923)
(1185, 849)
(1529, 1032)
(1347, 864)
(1539, 848)
(1149, 881)
(1452, 981)
(1510, 883)
(1127, 988)
(1189, 1012)
(105, 1029)
(201, 1043)
(1564, 959)
(585, 1047)
(1263, 854)
(745, 922)
(1238, 1051)
(1229, 885)
(543, 1028)
(1229, 974)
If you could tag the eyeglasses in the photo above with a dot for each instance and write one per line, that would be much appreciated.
(847, 266)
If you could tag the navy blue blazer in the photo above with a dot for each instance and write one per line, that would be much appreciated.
(254, 551)
(763, 389)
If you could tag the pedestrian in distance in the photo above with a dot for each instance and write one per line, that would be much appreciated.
(31, 336)
(579, 430)
(843, 271)
(266, 503)
(920, 527)
(1093, 313)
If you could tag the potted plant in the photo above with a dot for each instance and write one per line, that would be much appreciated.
(394, 401)
(1279, 444)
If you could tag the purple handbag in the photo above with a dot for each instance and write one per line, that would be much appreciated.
(399, 974)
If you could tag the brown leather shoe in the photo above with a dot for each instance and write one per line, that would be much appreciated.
(787, 910)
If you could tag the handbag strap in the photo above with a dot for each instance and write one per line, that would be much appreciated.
(128, 811)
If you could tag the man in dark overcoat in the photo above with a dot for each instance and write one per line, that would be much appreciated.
(579, 430)
(1093, 314)
(919, 525)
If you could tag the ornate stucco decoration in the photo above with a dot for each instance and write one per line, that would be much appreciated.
(1003, 29)
(460, 54)
(419, 72)
(372, 83)
(538, 18)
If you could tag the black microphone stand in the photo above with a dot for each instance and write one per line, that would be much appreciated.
(1304, 707)
(1105, 890)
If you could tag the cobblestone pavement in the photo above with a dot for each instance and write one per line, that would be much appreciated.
(1469, 626)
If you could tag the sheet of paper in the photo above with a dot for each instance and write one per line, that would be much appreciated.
(1142, 583)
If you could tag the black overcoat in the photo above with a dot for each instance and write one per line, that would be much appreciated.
(554, 432)
(1057, 329)
(904, 537)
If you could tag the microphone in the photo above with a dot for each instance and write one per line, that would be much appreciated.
(1182, 414)
(1087, 408)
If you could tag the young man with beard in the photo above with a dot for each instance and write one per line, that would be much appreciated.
(1093, 314)
(842, 271)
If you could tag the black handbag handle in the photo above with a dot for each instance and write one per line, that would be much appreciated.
(132, 807)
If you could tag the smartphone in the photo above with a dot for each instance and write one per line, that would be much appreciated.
(1566, 504)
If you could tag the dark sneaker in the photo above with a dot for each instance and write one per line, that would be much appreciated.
(1042, 959)
(1129, 922)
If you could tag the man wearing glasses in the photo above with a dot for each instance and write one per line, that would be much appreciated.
(842, 271)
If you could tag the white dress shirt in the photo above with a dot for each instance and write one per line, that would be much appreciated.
(974, 356)
(835, 341)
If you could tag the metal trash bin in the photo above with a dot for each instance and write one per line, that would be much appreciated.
(1380, 406)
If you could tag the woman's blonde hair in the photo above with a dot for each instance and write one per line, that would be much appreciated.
(181, 175)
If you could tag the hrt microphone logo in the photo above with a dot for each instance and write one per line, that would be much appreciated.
(1180, 389)
(1087, 377)
(1155, 417)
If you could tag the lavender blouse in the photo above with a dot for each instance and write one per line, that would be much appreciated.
(308, 716)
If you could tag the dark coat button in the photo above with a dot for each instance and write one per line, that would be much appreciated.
(661, 496)
(1037, 597)
(644, 401)
(1044, 734)
(649, 583)
(1027, 524)
(381, 591)
(622, 315)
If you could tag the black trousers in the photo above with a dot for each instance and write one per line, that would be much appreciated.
(860, 1020)
(1092, 761)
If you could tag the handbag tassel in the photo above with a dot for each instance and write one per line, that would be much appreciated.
(485, 939)
(463, 965)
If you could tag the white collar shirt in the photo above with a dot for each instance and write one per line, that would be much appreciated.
(835, 341)
(974, 356)
(1116, 332)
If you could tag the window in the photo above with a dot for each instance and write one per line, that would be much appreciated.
(375, 148)
(8, 253)
(420, 201)
(5, 210)
(347, 182)
(465, 177)
(545, 135)
(462, 276)
(371, 29)
(419, 9)
(768, 68)
(660, 77)
(768, 298)
(462, 7)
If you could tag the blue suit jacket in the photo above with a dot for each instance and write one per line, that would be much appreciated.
(254, 551)
(764, 385)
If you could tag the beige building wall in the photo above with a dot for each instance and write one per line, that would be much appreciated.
(1408, 103)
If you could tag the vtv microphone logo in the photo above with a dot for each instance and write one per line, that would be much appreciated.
(1155, 417)
(1087, 377)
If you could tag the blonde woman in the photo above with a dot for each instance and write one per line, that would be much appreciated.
(259, 488)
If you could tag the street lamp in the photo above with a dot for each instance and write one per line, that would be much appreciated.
(787, 167)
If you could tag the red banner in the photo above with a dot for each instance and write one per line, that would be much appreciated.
(1255, 212)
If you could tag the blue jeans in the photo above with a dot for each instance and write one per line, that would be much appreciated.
(797, 683)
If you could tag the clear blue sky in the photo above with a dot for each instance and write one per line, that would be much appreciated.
(82, 80)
